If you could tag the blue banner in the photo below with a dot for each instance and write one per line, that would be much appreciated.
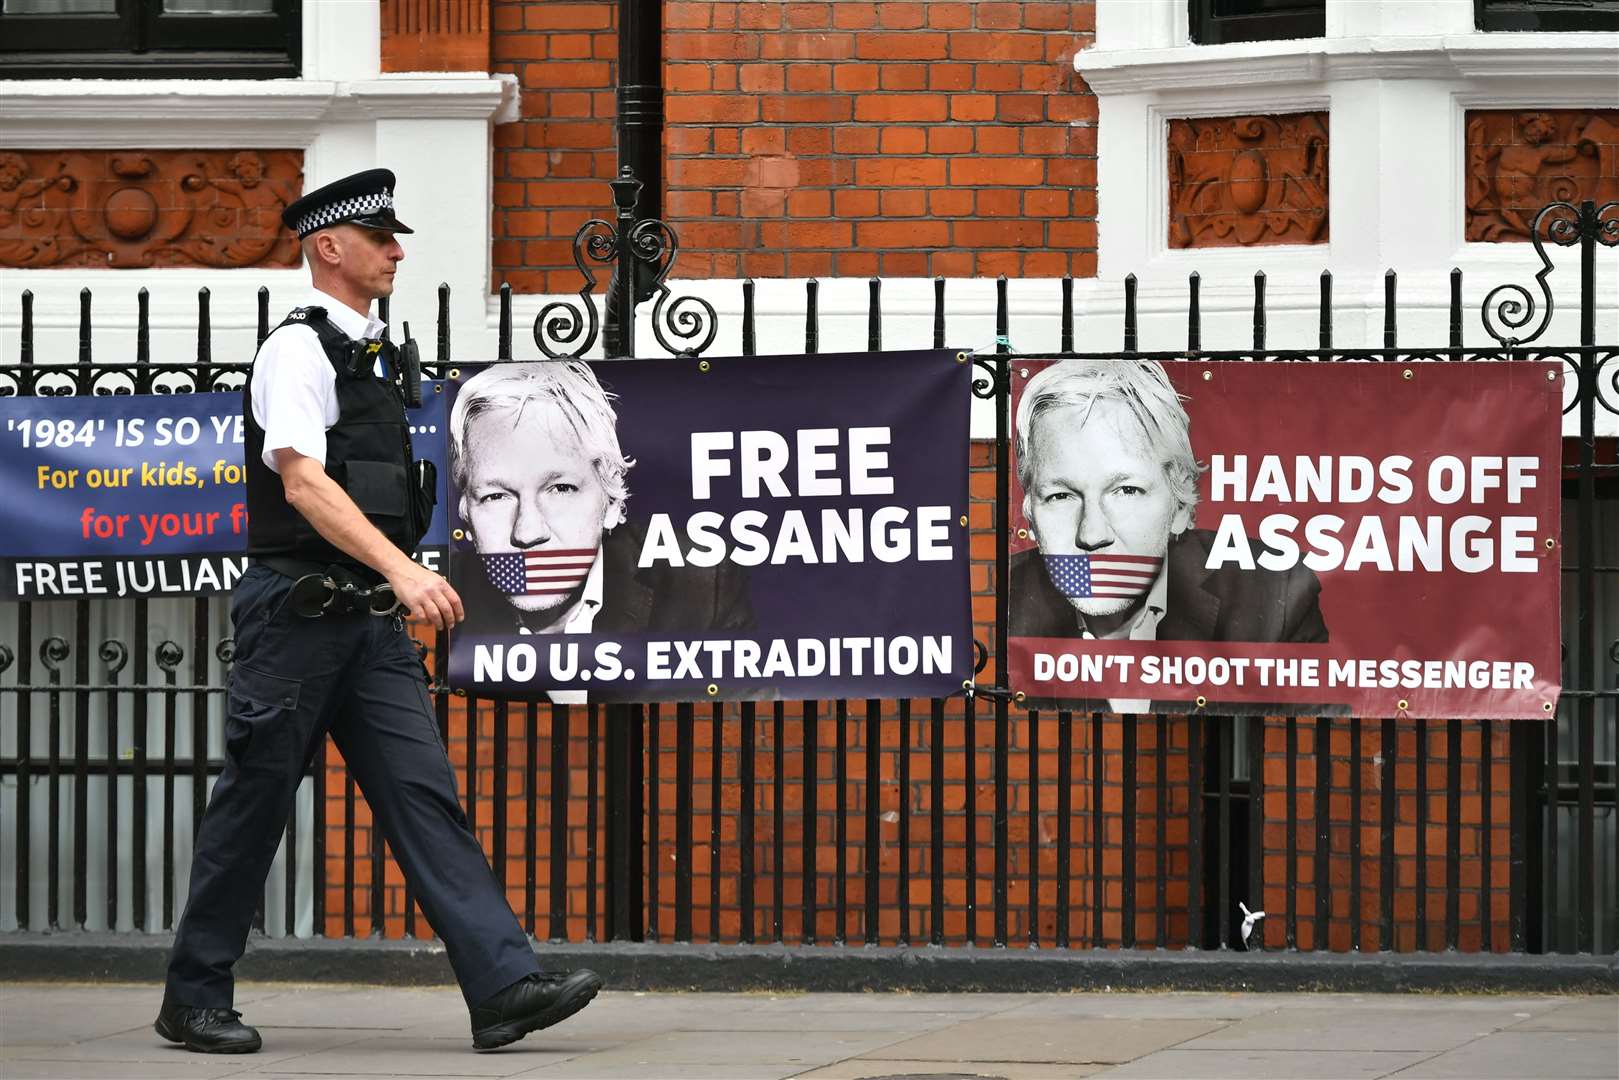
(143, 494)
(774, 526)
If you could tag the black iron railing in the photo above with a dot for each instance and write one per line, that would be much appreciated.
(950, 821)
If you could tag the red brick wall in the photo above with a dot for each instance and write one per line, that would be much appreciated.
(1417, 925)
(903, 139)
(551, 169)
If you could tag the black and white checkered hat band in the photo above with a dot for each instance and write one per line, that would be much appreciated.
(344, 210)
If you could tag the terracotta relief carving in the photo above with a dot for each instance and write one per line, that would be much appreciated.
(141, 208)
(1243, 180)
(435, 35)
(1520, 160)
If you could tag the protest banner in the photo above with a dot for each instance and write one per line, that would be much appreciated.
(140, 495)
(1230, 538)
(784, 526)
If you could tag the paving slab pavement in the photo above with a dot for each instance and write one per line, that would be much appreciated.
(313, 1031)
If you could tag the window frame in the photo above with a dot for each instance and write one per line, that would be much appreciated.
(1545, 16)
(142, 41)
(1207, 28)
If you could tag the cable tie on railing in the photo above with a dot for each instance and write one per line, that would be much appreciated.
(972, 689)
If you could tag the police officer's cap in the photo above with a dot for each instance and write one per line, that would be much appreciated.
(366, 198)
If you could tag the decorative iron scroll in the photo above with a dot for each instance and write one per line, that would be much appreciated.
(995, 378)
(562, 322)
(684, 325)
(1564, 225)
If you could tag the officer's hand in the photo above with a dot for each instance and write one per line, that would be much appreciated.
(427, 597)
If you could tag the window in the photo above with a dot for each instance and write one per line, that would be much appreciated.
(1547, 15)
(1216, 21)
(241, 39)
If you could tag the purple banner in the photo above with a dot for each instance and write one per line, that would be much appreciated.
(784, 526)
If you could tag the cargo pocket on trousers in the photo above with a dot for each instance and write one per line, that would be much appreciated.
(260, 724)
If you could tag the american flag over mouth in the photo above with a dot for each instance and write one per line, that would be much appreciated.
(1084, 577)
(537, 573)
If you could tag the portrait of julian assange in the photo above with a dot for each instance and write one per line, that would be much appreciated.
(1110, 489)
(544, 494)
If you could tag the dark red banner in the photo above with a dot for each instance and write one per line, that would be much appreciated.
(1230, 538)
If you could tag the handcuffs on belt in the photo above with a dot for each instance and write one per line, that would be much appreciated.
(314, 595)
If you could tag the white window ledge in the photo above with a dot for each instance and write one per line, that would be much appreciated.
(1246, 64)
(189, 112)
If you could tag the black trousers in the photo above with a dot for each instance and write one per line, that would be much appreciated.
(358, 677)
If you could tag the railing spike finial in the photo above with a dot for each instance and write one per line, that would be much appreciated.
(1067, 330)
(84, 325)
(205, 335)
(1003, 316)
(442, 352)
(812, 316)
(143, 326)
(503, 342)
(874, 315)
(1259, 311)
(25, 339)
(749, 340)
(1455, 307)
(1324, 331)
(1391, 285)
(1130, 337)
(1194, 312)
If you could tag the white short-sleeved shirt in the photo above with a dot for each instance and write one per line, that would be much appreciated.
(294, 387)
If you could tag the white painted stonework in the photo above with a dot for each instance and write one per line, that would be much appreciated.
(1395, 76)
(431, 128)
(1396, 79)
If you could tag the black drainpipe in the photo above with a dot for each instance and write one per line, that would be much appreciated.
(640, 127)
(640, 148)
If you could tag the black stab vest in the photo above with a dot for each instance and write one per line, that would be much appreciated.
(368, 454)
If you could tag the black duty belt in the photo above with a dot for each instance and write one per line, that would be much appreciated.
(334, 589)
(314, 595)
(362, 577)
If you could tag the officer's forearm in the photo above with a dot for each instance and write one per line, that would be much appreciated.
(333, 514)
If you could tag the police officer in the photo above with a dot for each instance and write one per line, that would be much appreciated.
(336, 504)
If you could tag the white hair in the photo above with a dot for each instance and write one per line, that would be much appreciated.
(1142, 387)
(567, 387)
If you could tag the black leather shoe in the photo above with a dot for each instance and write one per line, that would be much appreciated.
(207, 1031)
(531, 1003)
